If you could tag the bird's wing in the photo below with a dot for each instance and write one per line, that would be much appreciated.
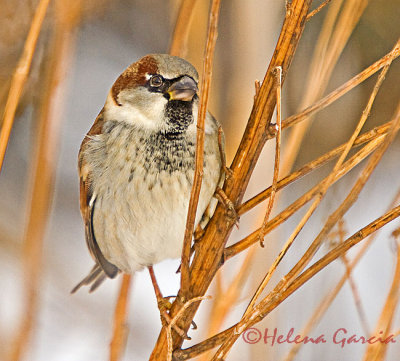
(208, 213)
(88, 202)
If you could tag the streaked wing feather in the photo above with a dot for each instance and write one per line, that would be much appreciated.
(87, 204)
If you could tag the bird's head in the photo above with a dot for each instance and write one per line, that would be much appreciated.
(158, 92)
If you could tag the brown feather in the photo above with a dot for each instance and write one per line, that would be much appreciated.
(134, 75)
(87, 205)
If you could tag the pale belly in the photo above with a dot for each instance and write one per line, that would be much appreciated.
(140, 221)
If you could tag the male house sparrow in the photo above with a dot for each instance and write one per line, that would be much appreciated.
(136, 168)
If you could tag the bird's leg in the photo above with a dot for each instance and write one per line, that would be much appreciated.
(164, 305)
(228, 204)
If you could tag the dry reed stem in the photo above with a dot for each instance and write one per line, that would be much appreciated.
(207, 257)
(222, 305)
(120, 328)
(221, 309)
(317, 10)
(342, 209)
(286, 282)
(343, 89)
(20, 75)
(216, 340)
(324, 186)
(349, 200)
(331, 42)
(331, 296)
(282, 183)
(377, 351)
(277, 297)
(262, 231)
(322, 191)
(42, 184)
(229, 296)
(246, 242)
(356, 296)
(180, 36)
(311, 166)
(274, 186)
(341, 235)
(339, 250)
(312, 86)
(198, 173)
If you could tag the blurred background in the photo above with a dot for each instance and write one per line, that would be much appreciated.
(82, 48)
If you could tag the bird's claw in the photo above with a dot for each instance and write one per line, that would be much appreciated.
(228, 204)
(164, 305)
(198, 234)
(228, 172)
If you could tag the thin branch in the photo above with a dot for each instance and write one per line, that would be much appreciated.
(340, 234)
(317, 10)
(243, 244)
(319, 72)
(198, 174)
(311, 166)
(324, 186)
(42, 180)
(343, 89)
(356, 296)
(20, 75)
(377, 352)
(262, 231)
(288, 280)
(289, 283)
(341, 249)
(275, 298)
(204, 346)
(330, 297)
(180, 36)
(278, 74)
(120, 331)
(226, 298)
(349, 200)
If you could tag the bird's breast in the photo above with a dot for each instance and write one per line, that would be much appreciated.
(143, 192)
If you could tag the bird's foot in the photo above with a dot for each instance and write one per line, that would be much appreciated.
(228, 204)
(228, 172)
(198, 234)
(164, 306)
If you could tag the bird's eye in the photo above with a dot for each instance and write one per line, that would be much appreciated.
(156, 81)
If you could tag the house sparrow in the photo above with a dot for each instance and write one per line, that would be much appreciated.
(136, 168)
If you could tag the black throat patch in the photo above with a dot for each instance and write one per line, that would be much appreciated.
(179, 115)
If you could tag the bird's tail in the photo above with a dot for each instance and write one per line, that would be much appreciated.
(95, 277)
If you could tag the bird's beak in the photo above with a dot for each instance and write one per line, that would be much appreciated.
(183, 89)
